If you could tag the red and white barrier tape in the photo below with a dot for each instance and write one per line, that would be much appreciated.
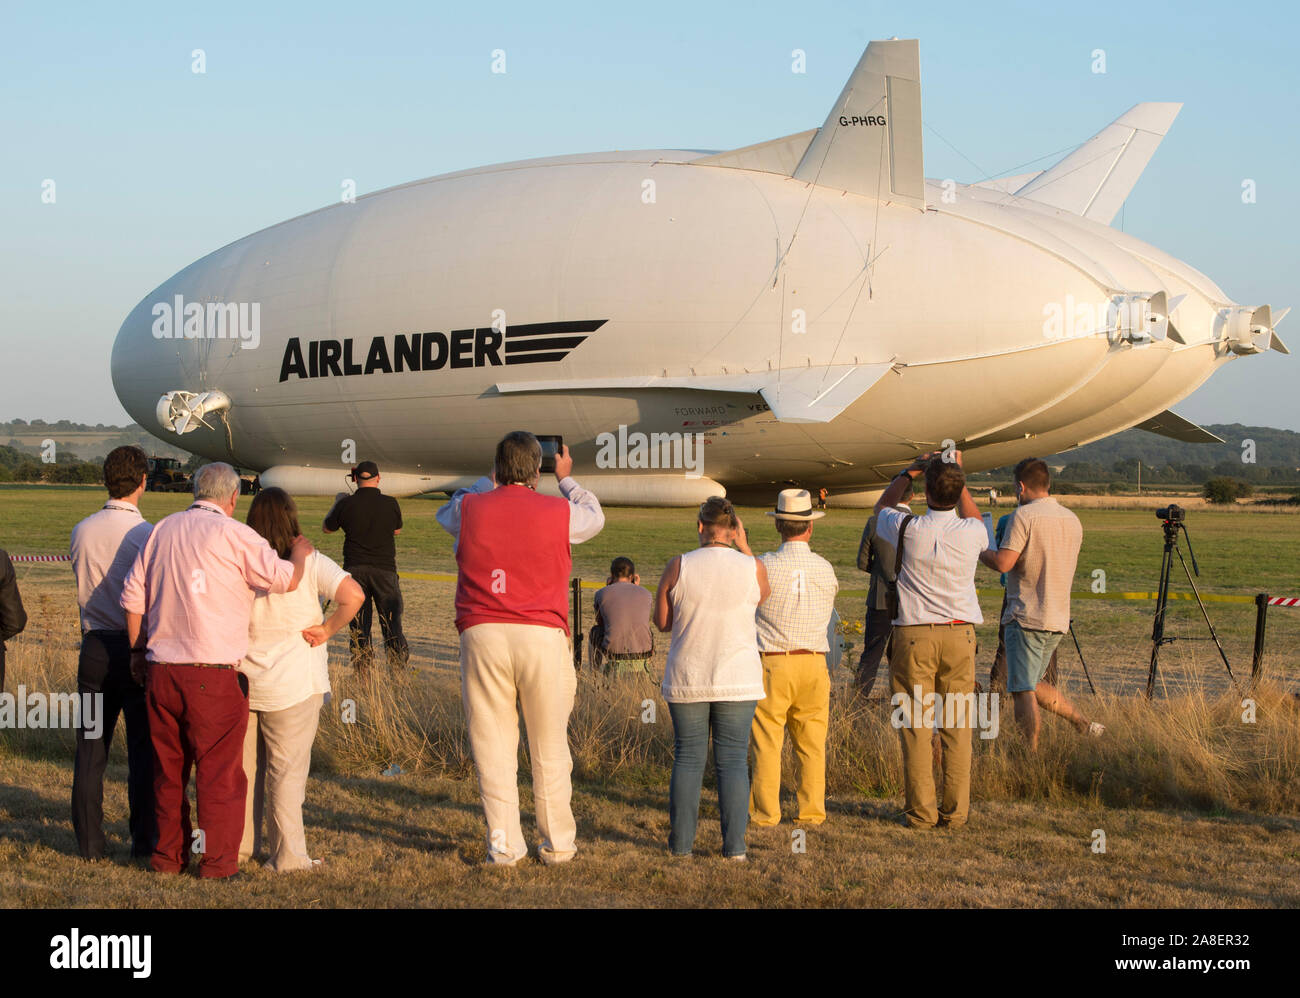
(1273, 600)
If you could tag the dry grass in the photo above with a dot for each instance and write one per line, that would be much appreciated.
(1189, 751)
(1199, 808)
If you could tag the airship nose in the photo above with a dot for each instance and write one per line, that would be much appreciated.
(152, 358)
(141, 364)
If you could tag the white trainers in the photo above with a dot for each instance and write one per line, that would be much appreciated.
(1096, 730)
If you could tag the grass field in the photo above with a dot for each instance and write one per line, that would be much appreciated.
(1198, 809)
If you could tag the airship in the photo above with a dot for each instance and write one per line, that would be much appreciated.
(808, 310)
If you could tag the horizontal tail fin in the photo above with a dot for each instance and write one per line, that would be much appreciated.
(773, 156)
(1094, 180)
(794, 395)
(1170, 424)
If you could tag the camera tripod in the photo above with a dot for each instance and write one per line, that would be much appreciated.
(1158, 638)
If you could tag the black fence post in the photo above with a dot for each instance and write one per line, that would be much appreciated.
(1261, 622)
(576, 586)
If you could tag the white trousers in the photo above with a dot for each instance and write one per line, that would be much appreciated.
(529, 665)
(277, 758)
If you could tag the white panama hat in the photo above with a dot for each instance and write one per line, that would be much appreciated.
(795, 504)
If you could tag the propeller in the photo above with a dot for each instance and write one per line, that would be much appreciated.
(1144, 318)
(182, 411)
(1250, 330)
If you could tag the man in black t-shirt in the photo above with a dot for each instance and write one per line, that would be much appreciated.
(370, 520)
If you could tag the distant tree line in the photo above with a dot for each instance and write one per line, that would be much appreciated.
(112, 436)
(67, 469)
(1258, 454)
(1125, 469)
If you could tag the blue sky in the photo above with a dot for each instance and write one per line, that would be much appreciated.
(156, 166)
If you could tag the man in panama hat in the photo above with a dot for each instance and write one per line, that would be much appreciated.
(792, 625)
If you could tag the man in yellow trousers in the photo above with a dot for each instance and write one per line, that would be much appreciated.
(792, 637)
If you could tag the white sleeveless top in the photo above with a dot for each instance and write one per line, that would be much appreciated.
(713, 654)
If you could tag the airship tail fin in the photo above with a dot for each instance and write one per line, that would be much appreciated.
(1170, 424)
(871, 141)
(794, 395)
(773, 156)
(1094, 180)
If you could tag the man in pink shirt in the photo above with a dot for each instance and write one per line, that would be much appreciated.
(192, 587)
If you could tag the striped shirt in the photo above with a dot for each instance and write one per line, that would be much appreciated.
(797, 613)
(940, 554)
(1048, 537)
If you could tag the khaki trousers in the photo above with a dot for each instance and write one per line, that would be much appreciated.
(529, 665)
(798, 689)
(940, 659)
(277, 758)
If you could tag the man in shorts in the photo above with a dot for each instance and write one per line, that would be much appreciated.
(1039, 556)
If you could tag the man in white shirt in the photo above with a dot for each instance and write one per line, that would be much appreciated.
(792, 639)
(104, 547)
(934, 634)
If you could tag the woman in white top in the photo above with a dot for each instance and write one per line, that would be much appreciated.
(714, 676)
(288, 680)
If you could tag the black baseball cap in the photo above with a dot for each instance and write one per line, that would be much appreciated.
(365, 471)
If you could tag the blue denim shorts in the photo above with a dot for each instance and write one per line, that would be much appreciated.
(1028, 654)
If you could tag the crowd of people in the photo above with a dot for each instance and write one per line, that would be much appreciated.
(206, 636)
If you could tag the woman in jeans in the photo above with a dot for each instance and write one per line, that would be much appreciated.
(288, 680)
(714, 676)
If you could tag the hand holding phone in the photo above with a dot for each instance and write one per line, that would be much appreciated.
(563, 464)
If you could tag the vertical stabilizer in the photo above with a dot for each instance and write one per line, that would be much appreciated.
(871, 141)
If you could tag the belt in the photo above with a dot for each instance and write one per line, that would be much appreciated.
(195, 665)
(629, 656)
(946, 623)
(796, 651)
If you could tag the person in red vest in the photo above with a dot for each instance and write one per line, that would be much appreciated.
(513, 557)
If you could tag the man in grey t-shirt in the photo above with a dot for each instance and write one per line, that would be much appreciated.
(622, 641)
(1038, 555)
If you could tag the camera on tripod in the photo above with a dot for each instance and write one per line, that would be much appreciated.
(1173, 522)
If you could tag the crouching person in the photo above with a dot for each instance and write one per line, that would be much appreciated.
(621, 641)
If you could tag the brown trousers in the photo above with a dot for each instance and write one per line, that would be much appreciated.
(940, 660)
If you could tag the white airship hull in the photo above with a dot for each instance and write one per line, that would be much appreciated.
(806, 334)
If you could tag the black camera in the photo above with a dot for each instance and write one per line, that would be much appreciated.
(1171, 513)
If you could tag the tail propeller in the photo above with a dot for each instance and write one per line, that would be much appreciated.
(1247, 330)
